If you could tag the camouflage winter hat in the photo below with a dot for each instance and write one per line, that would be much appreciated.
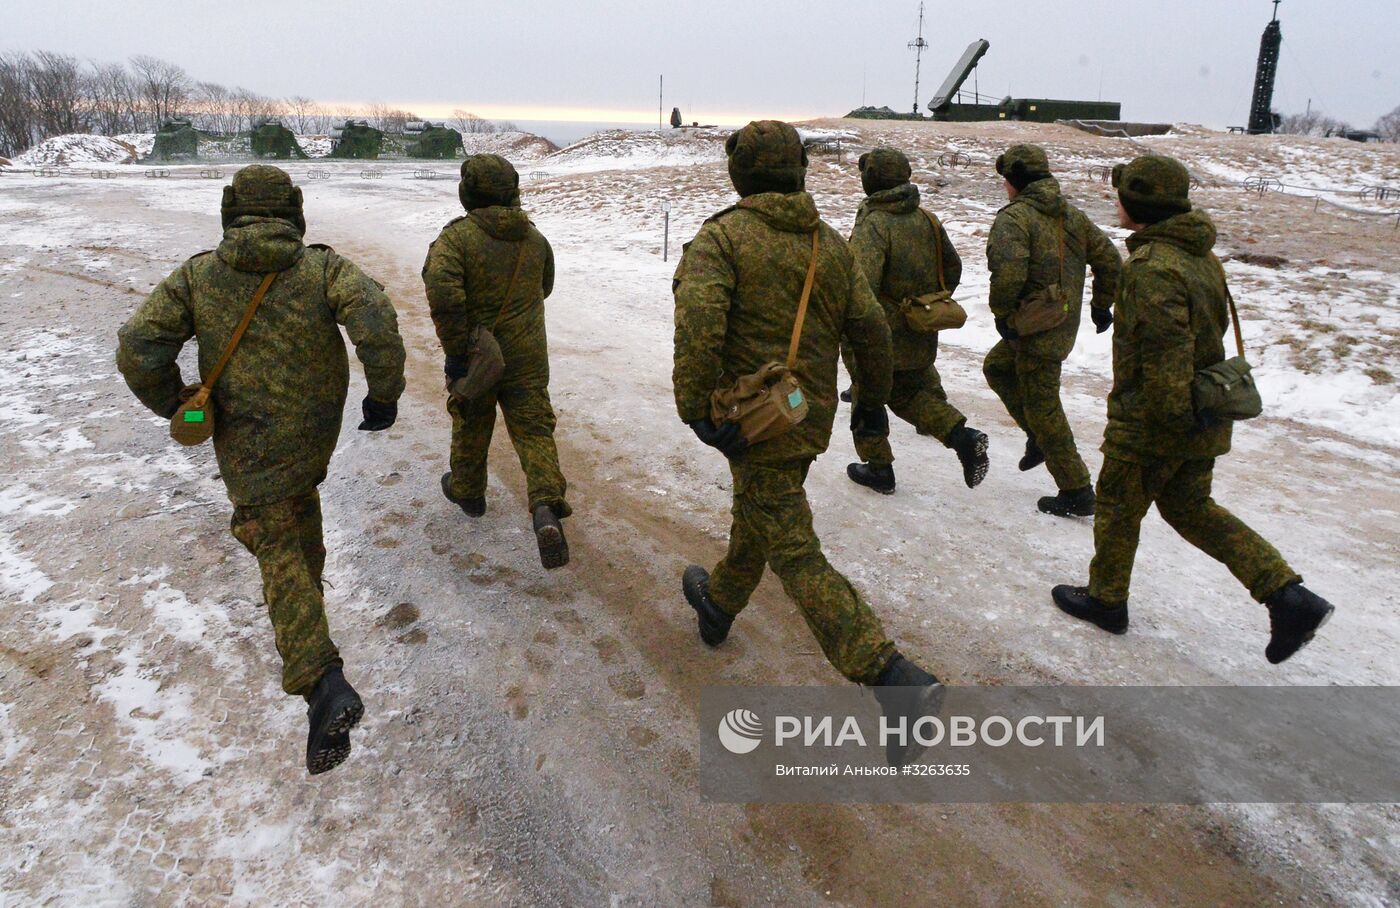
(766, 156)
(487, 179)
(1022, 165)
(1153, 187)
(884, 168)
(261, 190)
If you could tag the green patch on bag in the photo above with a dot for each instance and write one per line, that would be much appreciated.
(795, 399)
(194, 416)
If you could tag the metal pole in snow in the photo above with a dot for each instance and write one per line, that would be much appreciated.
(666, 235)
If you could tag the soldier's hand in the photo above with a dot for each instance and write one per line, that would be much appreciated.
(1103, 319)
(454, 367)
(724, 437)
(378, 415)
(869, 422)
(1006, 331)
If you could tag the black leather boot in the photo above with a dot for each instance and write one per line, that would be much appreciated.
(472, 507)
(1070, 503)
(1076, 601)
(549, 534)
(1295, 614)
(971, 448)
(872, 476)
(334, 709)
(1033, 457)
(906, 694)
(714, 621)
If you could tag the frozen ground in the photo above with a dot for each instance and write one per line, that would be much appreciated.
(531, 738)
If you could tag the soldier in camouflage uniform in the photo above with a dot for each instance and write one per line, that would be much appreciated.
(898, 248)
(277, 408)
(1158, 448)
(1027, 252)
(737, 291)
(492, 267)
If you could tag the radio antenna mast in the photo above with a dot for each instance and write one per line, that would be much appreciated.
(918, 44)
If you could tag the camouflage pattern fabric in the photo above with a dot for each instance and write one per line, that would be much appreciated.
(1171, 320)
(737, 289)
(278, 404)
(897, 248)
(918, 399)
(1181, 489)
(466, 275)
(530, 422)
(1023, 256)
(773, 526)
(1029, 387)
(285, 537)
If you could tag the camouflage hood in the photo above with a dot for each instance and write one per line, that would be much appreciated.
(1044, 195)
(259, 245)
(790, 212)
(899, 200)
(1192, 232)
(502, 222)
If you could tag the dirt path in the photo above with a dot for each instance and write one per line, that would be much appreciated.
(531, 737)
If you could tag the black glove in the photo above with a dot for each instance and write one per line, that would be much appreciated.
(1103, 319)
(455, 367)
(1006, 331)
(378, 415)
(869, 422)
(725, 437)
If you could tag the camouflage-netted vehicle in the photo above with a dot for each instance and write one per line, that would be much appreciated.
(438, 143)
(273, 140)
(176, 140)
(357, 139)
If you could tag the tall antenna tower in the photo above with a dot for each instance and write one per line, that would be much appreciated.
(1261, 109)
(918, 44)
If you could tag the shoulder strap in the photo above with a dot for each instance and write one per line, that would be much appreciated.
(806, 296)
(1230, 300)
(510, 288)
(238, 332)
(1061, 276)
(937, 246)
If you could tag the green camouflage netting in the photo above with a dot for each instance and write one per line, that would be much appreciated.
(437, 142)
(176, 139)
(358, 140)
(273, 140)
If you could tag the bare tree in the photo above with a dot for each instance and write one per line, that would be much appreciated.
(1312, 123)
(468, 122)
(300, 112)
(1389, 126)
(111, 99)
(58, 91)
(16, 104)
(164, 88)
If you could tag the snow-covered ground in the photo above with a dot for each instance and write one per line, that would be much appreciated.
(531, 738)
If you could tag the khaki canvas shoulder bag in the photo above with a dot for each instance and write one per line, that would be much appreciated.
(1227, 390)
(485, 361)
(1044, 309)
(193, 423)
(930, 313)
(769, 403)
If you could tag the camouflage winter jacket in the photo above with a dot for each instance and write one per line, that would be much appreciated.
(1023, 256)
(1170, 324)
(737, 290)
(467, 275)
(893, 242)
(277, 406)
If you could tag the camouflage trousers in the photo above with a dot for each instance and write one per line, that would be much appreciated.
(918, 398)
(1029, 387)
(530, 422)
(1181, 491)
(773, 526)
(286, 539)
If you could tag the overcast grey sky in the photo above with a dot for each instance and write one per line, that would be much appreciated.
(733, 60)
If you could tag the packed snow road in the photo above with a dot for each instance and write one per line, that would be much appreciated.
(531, 738)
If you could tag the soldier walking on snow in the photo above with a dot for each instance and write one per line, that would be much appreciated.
(487, 276)
(1160, 446)
(1036, 253)
(739, 293)
(276, 408)
(900, 249)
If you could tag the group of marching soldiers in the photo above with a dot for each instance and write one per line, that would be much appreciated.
(763, 277)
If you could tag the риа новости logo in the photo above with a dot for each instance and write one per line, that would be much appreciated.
(740, 731)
